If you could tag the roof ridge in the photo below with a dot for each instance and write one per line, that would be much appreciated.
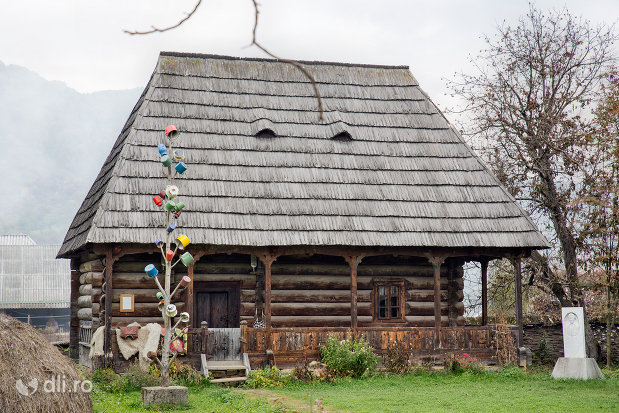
(264, 59)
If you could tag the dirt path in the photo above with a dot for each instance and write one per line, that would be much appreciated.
(287, 403)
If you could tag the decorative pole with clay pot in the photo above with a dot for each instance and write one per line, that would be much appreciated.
(168, 200)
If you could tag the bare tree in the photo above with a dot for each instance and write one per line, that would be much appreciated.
(600, 204)
(528, 101)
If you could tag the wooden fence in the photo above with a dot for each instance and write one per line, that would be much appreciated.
(296, 345)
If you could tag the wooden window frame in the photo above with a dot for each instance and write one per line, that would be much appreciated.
(401, 296)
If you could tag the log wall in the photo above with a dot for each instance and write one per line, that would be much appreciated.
(90, 270)
(315, 291)
(307, 291)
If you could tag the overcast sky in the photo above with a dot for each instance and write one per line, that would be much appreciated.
(81, 43)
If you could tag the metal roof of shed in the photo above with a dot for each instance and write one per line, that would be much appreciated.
(32, 277)
(18, 239)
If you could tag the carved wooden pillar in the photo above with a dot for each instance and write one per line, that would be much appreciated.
(437, 261)
(267, 260)
(516, 262)
(353, 261)
(484, 291)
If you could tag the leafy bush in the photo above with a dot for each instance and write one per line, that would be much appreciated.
(397, 360)
(542, 354)
(181, 374)
(303, 373)
(105, 378)
(267, 377)
(348, 357)
(135, 378)
(512, 372)
(460, 363)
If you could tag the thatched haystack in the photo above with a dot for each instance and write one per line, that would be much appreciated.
(27, 355)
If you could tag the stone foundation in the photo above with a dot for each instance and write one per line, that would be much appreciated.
(170, 395)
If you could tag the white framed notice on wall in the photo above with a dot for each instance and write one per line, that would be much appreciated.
(126, 303)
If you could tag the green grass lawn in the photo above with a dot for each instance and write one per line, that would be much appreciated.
(509, 391)
(205, 399)
(488, 392)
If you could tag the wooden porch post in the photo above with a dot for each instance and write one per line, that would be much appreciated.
(107, 337)
(436, 262)
(353, 261)
(189, 297)
(484, 291)
(267, 260)
(516, 262)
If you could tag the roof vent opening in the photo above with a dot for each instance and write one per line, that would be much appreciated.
(342, 136)
(266, 133)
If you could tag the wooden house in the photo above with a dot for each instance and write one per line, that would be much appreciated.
(359, 223)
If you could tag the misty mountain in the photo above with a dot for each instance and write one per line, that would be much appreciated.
(55, 140)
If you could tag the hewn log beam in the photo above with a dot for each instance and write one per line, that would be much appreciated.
(470, 253)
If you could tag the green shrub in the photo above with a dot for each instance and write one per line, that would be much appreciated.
(542, 354)
(186, 375)
(397, 359)
(512, 372)
(348, 357)
(135, 378)
(180, 373)
(464, 363)
(105, 378)
(303, 373)
(267, 377)
(452, 365)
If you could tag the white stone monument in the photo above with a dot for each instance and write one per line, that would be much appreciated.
(575, 364)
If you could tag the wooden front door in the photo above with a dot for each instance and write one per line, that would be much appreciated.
(217, 303)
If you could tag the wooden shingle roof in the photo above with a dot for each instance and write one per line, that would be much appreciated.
(406, 178)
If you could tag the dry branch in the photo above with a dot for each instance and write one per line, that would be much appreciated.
(307, 74)
(155, 29)
(254, 42)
